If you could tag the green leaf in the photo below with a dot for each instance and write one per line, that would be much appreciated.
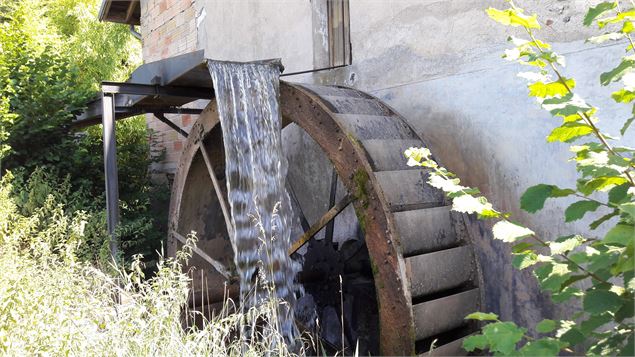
(603, 219)
(628, 122)
(482, 316)
(598, 301)
(595, 11)
(475, 342)
(573, 336)
(542, 347)
(628, 208)
(510, 232)
(595, 321)
(567, 105)
(565, 294)
(600, 184)
(618, 72)
(552, 275)
(546, 326)
(552, 89)
(611, 36)
(578, 209)
(619, 194)
(623, 96)
(503, 336)
(471, 204)
(565, 244)
(524, 260)
(534, 197)
(621, 234)
(568, 132)
(511, 17)
(522, 247)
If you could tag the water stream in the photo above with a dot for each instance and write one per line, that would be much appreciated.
(256, 168)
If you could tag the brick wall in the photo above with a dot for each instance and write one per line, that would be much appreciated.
(168, 28)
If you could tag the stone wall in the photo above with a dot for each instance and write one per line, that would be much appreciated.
(168, 28)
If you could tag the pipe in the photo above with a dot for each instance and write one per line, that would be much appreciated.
(135, 33)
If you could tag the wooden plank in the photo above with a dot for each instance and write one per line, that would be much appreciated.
(425, 230)
(409, 189)
(326, 218)
(444, 314)
(388, 155)
(434, 272)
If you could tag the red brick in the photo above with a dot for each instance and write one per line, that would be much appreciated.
(178, 146)
(186, 119)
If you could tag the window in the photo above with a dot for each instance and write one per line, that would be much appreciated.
(339, 32)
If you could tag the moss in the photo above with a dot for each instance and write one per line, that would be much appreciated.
(360, 179)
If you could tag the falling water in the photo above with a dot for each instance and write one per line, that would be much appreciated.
(247, 95)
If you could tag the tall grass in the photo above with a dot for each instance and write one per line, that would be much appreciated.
(53, 303)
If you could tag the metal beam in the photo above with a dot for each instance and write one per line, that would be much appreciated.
(110, 168)
(171, 124)
(156, 90)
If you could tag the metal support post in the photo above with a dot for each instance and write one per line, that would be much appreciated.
(110, 168)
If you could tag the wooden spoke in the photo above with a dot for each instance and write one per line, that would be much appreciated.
(213, 262)
(326, 218)
(219, 193)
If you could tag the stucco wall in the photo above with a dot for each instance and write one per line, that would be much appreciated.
(438, 63)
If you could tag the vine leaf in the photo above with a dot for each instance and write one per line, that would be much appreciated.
(482, 316)
(546, 326)
(533, 200)
(509, 232)
(503, 336)
(511, 17)
(628, 208)
(628, 122)
(565, 244)
(569, 132)
(475, 342)
(578, 209)
(524, 260)
(598, 301)
(552, 89)
(542, 347)
(595, 11)
(621, 234)
(618, 72)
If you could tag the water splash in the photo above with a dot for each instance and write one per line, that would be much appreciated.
(247, 95)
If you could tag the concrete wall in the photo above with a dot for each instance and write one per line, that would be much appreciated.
(438, 63)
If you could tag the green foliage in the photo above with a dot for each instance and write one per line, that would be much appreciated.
(52, 303)
(53, 55)
(597, 272)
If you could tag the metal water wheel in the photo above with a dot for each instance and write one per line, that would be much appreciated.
(408, 273)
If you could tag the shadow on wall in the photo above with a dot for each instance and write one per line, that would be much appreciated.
(512, 294)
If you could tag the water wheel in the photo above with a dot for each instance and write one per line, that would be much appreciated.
(408, 273)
